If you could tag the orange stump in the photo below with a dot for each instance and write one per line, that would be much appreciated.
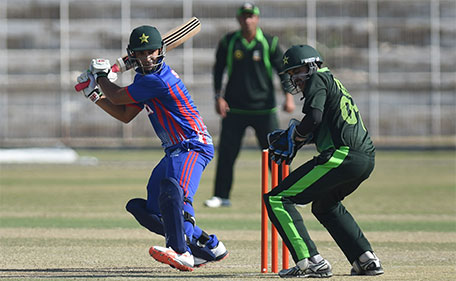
(264, 214)
(264, 217)
(285, 255)
(274, 243)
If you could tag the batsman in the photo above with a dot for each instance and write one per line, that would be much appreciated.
(158, 90)
(346, 158)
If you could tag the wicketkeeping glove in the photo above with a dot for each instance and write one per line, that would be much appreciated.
(283, 145)
(277, 142)
(91, 92)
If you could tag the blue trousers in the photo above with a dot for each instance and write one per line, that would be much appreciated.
(185, 167)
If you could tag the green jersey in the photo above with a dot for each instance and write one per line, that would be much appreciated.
(249, 66)
(341, 122)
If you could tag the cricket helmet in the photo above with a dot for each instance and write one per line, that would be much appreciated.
(299, 55)
(145, 37)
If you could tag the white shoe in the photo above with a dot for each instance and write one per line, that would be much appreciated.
(219, 251)
(216, 202)
(307, 268)
(183, 262)
(367, 264)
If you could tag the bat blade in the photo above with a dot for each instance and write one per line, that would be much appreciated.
(171, 39)
(180, 34)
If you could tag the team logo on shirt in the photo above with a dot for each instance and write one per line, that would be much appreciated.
(256, 55)
(238, 54)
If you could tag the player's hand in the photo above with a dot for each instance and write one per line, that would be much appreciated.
(284, 144)
(221, 106)
(91, 92)
(289, 104)
(277, 143)
(100, 68)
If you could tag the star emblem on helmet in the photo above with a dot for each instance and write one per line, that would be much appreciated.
(144, 38)
(285, 60)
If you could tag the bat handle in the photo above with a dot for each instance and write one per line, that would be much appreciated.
(81, 86)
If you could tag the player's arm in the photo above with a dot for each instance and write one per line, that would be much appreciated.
(309, 123)
(117, 95)
(221, 106)
(313, 108)
(219, 66)
(124, 113)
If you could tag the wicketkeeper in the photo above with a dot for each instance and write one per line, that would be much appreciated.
(168, 210)
(332, 121)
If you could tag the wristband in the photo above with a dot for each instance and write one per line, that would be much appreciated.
(95, 96)
(100, 74)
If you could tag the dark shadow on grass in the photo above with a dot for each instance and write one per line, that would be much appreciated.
(121, 272)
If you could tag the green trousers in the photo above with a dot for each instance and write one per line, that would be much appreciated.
(233, 130)
(323, 181)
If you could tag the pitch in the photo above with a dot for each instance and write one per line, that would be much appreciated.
(68, 222)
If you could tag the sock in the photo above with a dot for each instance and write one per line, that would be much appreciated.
(316, 259)
(368, 255)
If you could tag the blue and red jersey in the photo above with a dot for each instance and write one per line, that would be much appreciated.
(170, 107)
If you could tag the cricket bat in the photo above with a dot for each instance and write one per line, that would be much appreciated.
(171, 39)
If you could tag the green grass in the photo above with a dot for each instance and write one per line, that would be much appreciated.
(68, 222)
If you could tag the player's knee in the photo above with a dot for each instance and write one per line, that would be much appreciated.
(170, 189)
(135, 204)
(170, 194)
(324, 211)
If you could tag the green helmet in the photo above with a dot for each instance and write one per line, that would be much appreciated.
(299, 55)
(145, 37)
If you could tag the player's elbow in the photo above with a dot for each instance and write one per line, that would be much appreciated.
(128, 114)
(125, 120)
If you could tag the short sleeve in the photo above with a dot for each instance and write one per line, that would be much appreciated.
(146, 87)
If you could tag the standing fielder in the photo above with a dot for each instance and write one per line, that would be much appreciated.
(249, 57)
(332, 121)
(168, 210)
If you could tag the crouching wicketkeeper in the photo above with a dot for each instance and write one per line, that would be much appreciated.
(333, 122)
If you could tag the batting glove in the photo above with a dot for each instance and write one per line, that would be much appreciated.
(91, 92)
(100, 68)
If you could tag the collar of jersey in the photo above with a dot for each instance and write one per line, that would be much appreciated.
(258, 37)
(324, 69)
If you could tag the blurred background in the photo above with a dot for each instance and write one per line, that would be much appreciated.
(397, 58)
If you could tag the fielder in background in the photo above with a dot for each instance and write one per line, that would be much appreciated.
(249, 57)
(332, 121)
(168, 210)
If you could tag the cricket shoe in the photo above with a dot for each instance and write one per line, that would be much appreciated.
(183, 262)
(216, 202)
(219, 252)
(306, 268)
(367, 264)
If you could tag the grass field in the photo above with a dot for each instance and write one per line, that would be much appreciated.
(68, 222)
